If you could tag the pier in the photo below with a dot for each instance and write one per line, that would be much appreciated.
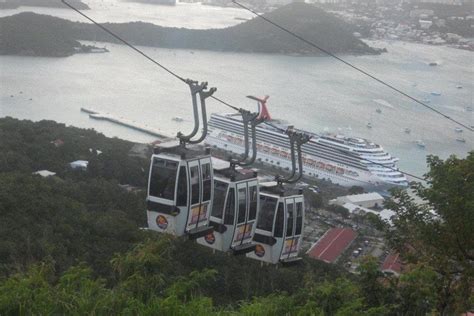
(125, 122)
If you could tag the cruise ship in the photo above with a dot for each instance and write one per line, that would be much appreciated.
(347, 161)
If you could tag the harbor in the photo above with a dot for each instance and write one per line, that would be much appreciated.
(93, 114)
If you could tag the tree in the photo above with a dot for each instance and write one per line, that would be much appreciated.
(355, 189)
(339, 210)
(439, 233)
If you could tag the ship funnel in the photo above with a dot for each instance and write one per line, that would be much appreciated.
(264, 114)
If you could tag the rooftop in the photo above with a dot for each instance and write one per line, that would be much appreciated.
(392, 264)
(44, 173)
(364, 197)
(332, 244)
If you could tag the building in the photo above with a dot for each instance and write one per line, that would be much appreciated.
(332, 244)
(367, 200)
(45, 173)
(392, 264)
(425, 24)
(79, 164)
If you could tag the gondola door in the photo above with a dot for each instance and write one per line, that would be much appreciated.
(200, 177)
(246, 207)
(242, 231)
(294, 227)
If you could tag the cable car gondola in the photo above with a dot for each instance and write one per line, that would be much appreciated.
(180, 185)
(280, 222)
(236, 198)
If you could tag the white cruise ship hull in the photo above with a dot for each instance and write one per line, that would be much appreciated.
(320, 161)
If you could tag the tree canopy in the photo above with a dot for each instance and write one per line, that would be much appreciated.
(72, 244)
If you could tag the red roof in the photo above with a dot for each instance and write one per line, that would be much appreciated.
(331, 245)
(392, 263)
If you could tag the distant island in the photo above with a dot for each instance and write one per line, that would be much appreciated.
(14, 4)
(45, 35)
(30, 34)
(157, 2)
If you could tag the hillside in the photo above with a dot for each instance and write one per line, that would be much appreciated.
(13, 4)
(29, 34)
(254, 36)
(71, 244)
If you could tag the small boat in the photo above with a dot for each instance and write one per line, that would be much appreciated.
(369, 125)
(407, 130)
(436, 93)
(461, 140)
(458, 87)
(433, 64)
(458, 130)
(378, 111)
(420, 143)
(177, 119)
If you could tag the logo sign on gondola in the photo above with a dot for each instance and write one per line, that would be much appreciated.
(259, 251)
(162, 222)
(291, 245)
(210, 238)
(243, 232)
(198, 214)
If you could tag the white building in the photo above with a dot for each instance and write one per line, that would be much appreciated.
(366, 200)
(79, 164)
(425, 24)
(44, 173)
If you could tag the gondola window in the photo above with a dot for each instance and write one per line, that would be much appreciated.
(299, 218)
(182, 187)
(253, 202)
(267, 213)
(220, 190)
(242, 205)
(206, 182)
(229, 208)
(194, 185)
(280, 221)
(289, 225)
(163, 178)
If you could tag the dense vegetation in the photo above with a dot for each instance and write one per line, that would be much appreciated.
(72, 244)
(29, 33)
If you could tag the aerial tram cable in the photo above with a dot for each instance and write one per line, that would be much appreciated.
(174, 74)
(352, 66)
(280, 222)
(181, 185)
(236, 197)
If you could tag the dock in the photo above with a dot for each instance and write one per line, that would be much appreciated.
(93, 114)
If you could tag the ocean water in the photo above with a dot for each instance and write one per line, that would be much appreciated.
(188, 15)
(313, 93)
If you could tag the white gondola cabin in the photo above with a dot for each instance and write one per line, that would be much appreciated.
(181, 184)
(234, 210)
(180, 191)
(279, 231)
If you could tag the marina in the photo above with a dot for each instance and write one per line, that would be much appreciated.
(93, 114)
